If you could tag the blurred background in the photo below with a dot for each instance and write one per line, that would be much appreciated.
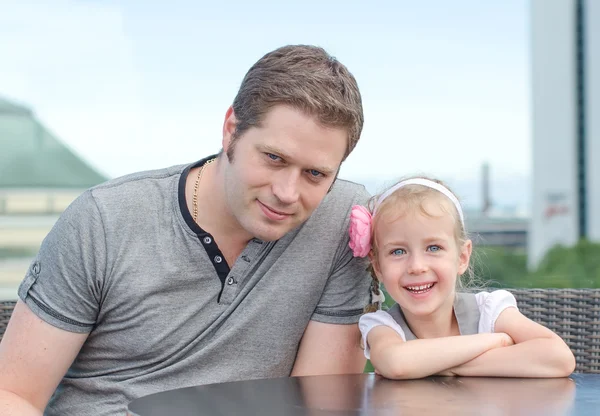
(499, 99)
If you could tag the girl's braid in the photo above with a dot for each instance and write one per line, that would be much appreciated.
(374, 290)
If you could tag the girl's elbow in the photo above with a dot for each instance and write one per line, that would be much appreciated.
(393, 370)
(398, 375)
(569, 363)
(565, 364)
(406, 373)
(568, 360)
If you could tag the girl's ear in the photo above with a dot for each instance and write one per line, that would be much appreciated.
(375, 264)
(465, 257)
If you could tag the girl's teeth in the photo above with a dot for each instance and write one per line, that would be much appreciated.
(420, 288)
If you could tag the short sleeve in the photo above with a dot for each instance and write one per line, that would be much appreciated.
(63, 284)
(346, 293)
(491, 305)
(370, 320)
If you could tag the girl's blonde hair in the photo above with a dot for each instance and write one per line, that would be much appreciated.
(410, 198)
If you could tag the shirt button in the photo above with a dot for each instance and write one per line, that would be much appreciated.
(230, 281)
(207, 240)
(218, 259)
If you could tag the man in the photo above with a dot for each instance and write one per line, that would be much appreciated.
(234, 267)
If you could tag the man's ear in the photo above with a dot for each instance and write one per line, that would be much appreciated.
(465, 256)
(228, 128)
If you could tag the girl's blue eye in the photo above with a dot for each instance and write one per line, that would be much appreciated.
(434, 248)
(398, 252)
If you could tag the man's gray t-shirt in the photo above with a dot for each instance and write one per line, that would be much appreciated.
(126, 264)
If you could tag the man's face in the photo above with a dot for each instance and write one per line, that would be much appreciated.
(281, 171)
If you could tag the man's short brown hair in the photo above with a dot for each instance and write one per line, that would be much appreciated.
(303, 77)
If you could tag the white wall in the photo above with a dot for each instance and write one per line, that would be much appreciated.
(593, 117)
(554, 126)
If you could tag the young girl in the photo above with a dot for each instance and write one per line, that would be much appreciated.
(416, 240)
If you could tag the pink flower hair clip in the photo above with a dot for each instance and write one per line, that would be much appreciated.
(360, 231)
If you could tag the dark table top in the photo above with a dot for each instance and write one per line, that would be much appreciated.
(369, 394)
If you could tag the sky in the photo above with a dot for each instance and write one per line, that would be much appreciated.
(133, 85)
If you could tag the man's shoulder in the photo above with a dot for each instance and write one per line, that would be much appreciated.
(345, 193)
(132, 195)
(334, 211)
(138, 180)
(125, 198)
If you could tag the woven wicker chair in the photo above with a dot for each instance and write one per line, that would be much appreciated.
(574, 314)
(6, 309)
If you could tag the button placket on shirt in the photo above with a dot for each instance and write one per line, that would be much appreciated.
(216, 258)
(239, 270)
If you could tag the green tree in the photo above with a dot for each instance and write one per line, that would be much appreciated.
(575, 267)
(496, 267)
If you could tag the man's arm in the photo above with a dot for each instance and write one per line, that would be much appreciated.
(34, 356)
(538, 352)
(329, 349)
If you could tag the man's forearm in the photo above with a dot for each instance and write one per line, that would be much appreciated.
(534, 358)
(14, 405)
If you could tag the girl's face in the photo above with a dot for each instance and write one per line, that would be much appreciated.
(418, 259)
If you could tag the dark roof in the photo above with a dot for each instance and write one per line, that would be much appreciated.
(32, 157)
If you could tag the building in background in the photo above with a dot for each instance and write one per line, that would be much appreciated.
(492, 226)
(509, 232)
(565, 51)
(39, 178)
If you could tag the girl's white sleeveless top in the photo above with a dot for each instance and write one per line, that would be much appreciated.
(491, 305)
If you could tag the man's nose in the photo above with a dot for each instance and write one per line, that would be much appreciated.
(285, 186)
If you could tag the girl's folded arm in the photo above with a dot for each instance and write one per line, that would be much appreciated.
(394, 358)
(538, 352)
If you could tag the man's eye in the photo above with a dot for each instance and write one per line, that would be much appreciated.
(315, 173)
(273, 157)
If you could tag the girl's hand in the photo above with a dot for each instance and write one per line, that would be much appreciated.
(505, 339)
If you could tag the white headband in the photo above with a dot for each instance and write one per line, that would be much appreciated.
(424, 182)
